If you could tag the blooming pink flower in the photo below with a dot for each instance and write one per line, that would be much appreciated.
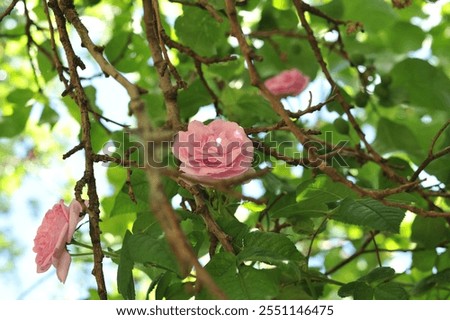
(287, 83)
(219, 150)
(56, 230)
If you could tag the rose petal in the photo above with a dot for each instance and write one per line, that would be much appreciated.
(288, 83)
(74, 217)
(62, 265)
(219, 150)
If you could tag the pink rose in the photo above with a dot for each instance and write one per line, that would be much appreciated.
(56, 230)
(287, 83)
(219, 150)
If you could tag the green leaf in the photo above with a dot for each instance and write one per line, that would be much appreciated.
(400, 166)
(424, 260)
(379, 275)
(334, 8)
(72, 107)
(99, 136)
(443, 260)
(246, 107)
(49, 116)
(198, 30)
(127, 51)
(192, 98)
(347, 289)
(440, 279)
(375, 15)
(404, 37)
(295, 54)
(125, 283)
(240, 283)
(157, 113)
(123, 203)
(217, 4)
(429, 231)
(151, 250)
(369, 213)
(440, 167)
(322, 190)
(390, 291)
(273, 248)
(363, 291)
(228, 70)
(396, 137)
(358, 289)
(116, 47)
(412, 76)
(20, 97)
(292, 292)
(287, 206)
(46, 67)
(15, 123)
(118, 224)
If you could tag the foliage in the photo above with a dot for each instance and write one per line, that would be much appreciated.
(348, 178)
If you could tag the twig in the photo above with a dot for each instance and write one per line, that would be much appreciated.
(304, 162)
(312, 109)
(319, 228)
(153, 32)
(130, 186)
(401, 4)
(122, 162)
(55, 58)
(161, 207)
(88, 177)
(191, 53)
(74, 150)
(355, 255)
(31, 41)
(129, 173)
(377, 252)
(321, 14)
(8, 9)
(431, 155)
(214, 97)
(163, 50)
(100, 116)
(266, 210)
(202, 209)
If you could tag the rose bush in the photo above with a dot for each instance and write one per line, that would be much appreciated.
(219, 150)
(288, 83)
(55, 231)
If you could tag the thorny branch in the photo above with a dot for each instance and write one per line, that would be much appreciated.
(161, 61)
(88, 177)
(160, 204)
